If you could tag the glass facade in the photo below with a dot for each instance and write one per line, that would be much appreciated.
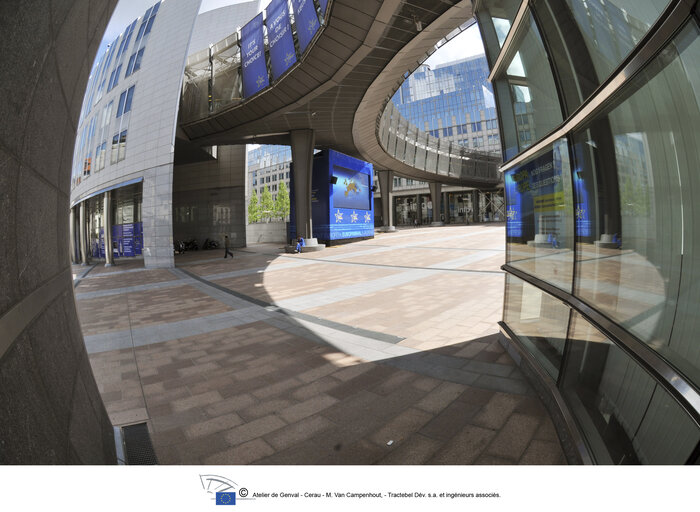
(102, 129)
(602, 233)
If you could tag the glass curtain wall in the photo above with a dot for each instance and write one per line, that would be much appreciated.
(603, 235)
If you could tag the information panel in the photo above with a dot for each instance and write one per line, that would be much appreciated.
(279, 35)
(254, 69)
(351, 189)
(306, 20)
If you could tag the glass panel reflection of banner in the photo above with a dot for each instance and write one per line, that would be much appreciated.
(306, 21)
(253, 66)
(279, 35)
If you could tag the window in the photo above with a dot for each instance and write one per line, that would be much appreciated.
(125, 101)
(139, 56)
(130, 65)
(122, 145)
(115, 147)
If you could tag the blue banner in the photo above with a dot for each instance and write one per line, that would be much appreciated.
(306, 21)
(254, 69)
(323, 4)
(279, 36)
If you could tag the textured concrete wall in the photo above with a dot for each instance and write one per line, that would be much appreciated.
(50, 408)
(267, 232)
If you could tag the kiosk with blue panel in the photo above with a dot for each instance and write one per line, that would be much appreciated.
(342, 201)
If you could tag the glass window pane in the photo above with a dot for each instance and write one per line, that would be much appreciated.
(129, 96)
(539, 320)
(539, 227)
(611, 28)
(637, 185)
(120, 108)
(533, 91)
(626, 417)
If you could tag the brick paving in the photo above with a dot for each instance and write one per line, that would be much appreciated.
(378, 352)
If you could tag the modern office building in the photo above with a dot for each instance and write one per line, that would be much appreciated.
(131, 170)
(599, 111)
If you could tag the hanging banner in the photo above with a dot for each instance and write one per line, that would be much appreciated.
(306, 21)
(253, 67)
(279, 36)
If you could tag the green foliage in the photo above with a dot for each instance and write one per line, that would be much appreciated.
(282, 202)
(267, 206)
(253, 208)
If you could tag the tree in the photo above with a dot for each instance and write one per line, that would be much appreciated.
(253, 208)
(266, 205)
(282, 202)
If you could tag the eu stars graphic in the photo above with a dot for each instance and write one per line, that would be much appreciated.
(225, 498)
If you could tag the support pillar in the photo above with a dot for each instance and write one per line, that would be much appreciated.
(419, 211)
(475, 206)
(302, 145)
(386, 187)
(435, 196)
(446, 207)
(109, 253)
(83, 233)
(71, 230)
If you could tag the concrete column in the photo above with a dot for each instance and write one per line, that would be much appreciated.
(71, 233)
(386, 186)
(109, 254)
(447, 207)
(435, 196)
(302, 158)
(82, 231)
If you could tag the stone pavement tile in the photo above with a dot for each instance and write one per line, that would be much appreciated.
(497, 411)
(476, 396)
(317, 373)
(396, 380)
(130, 416)
(546, 431)
(401, 427)
(167, 396)
(163, 422)
(168, 437)
(359, 452)
(245, 453)
(353, 371)
(322, 385)
(212, 426)
(532, 406)
(512, 385)
(499, 370)
(311, 406)
(213, 383)
(514, 437)
(450, 421)
(425, 383)
(368, 380)
(441, 397)
(471, 349)
(182, 404)
(231, 404)
(543, 452)
(465, 447)
(196, 451)
(276, 388)
(416, 450)
(297, 432)
(260, 409)
(253, 429)
(198, 369)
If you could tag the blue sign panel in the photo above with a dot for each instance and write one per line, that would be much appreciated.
(335, 215)
(279, 35)
(254, 69)
(306, 20)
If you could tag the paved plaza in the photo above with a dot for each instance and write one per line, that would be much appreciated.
(380, 351)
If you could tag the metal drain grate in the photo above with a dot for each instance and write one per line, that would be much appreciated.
(138, 446)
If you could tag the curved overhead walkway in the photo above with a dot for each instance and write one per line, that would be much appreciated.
(342, 84)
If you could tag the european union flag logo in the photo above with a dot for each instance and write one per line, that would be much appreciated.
(225, 498)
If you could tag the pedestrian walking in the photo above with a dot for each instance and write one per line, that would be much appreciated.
(227, 247)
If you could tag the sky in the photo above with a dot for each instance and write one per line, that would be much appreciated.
(466, 44)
